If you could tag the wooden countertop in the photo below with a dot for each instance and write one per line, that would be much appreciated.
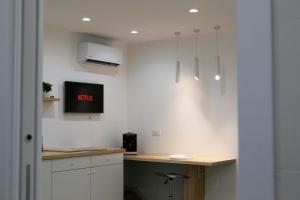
(50, 155)
(200, 161)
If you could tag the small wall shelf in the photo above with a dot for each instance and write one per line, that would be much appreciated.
(50, 99)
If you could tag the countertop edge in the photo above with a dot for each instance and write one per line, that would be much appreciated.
(51, 155)
(184, 162)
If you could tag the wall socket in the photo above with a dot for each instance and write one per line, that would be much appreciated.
(156, 133)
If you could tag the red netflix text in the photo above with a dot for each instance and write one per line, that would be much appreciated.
(83, 97)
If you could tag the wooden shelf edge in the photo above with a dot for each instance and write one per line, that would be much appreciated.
(51, 99)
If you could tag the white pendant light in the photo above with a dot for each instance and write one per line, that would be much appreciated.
(218, 57)
(177, 74)
(196, 60)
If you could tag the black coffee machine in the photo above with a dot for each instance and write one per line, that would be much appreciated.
(130, 143)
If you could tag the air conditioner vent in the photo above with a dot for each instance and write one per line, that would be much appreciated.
(102, 62)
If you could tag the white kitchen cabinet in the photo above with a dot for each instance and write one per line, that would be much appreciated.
(107, 182)
(98, 177)
(45, 189)
(71, 185)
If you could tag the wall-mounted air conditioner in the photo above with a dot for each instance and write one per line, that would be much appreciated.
(99, 54)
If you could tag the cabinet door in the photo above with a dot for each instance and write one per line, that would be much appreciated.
(71, 185)
(45, 188)
(107, 182)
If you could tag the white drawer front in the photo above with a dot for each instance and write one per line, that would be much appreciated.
(109, 159)
(70, 163)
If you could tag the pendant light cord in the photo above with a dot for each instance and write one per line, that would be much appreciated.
(217, 28)
(196, 31)
(197, 44)
(196, 72)
(218, 57)
(177, 34)
(177, 76)
(177, 48)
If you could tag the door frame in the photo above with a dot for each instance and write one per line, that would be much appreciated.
(255, 90)
(21, 57)
(255, 98)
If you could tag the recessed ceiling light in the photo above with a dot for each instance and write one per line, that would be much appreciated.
(134, 32)
(86, 19)
(194, 10)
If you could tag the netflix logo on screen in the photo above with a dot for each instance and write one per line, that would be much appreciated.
(83, 97)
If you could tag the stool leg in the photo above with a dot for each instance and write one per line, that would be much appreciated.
(170, 191)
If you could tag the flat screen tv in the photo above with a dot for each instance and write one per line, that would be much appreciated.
(83, 97)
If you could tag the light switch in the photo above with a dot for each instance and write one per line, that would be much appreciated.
(156, 133)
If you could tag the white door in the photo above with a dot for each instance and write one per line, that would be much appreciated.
(71, 185)
(255, 100)
(107, 182)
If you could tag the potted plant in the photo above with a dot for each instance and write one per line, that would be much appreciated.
(47, 87)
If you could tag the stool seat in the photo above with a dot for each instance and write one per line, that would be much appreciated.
(169, 179)
(172, 176)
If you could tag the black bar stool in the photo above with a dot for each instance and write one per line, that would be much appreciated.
(169, 179)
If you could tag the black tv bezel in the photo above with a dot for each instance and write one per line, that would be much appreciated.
(83, 112)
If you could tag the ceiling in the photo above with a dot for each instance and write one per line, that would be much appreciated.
(154, 19)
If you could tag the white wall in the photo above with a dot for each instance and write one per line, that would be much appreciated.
(287, 97)
(68, 130)
(195, 117)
